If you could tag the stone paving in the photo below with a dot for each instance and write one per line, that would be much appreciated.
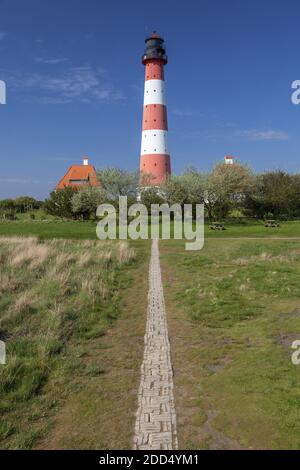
(155, 426)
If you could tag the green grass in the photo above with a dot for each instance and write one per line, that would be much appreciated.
(234, 310)
(255, 229)
(57, 299)
(80, 230)
(47, 229)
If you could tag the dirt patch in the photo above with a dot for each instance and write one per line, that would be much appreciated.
(214, 368)
(285, 340)
(218, 440)
(293, 314)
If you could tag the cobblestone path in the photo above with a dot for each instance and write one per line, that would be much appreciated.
(156, 419)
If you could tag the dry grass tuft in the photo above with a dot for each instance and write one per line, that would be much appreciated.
(88, 286)
(28, 251)
(17, 240)
(85, 259)
(64, 259)
(105, 255)
(24, 302)
(125, 253)
(266, 258)
(8, 283)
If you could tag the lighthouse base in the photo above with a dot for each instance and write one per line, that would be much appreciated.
(154, 169)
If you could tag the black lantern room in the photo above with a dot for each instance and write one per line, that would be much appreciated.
(154, 49)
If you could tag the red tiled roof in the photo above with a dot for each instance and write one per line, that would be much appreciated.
(79, 175)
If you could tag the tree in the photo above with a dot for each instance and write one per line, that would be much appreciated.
(60, 202)
(194, 184)
(7, 209)
(7, 205)
(26, 204)
(275, 193)
(86, 201)
(296, 185)
(225, 188)
(117, 182)
(151, 196)
(174, 190)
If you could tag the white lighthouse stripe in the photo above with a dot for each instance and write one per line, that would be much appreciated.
(154, 92)
(154, 141)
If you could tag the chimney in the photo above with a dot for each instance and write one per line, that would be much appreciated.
(85, 161)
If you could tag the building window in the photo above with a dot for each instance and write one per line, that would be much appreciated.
(74, 181)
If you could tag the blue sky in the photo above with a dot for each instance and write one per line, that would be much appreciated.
(75, 84)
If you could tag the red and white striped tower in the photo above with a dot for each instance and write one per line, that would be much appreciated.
(155, 158)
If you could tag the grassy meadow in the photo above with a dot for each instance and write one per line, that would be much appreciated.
(72, 313)
(233, 313)
(59, 301)
(82, 230)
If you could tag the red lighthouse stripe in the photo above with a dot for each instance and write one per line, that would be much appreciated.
(155, 117)
(158, 167)
(154, 70)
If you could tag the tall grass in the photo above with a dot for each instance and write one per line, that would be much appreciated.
(52, 294)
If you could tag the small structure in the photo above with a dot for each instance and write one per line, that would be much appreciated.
(217, 226)
(272, 223)
(79, 176)
(229, 159)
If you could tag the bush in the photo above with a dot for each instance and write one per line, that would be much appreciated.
(60, 202)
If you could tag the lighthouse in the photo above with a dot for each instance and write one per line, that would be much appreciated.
(155, 159)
